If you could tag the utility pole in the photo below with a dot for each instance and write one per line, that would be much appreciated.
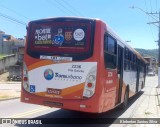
(157, 21)
(159, 55)
(158, 44)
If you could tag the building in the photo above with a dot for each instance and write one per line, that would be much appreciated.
(152, 64)
(9, 44)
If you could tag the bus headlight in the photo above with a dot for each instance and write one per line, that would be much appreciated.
(90, 83)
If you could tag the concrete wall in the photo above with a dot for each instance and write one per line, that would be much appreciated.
(1, 34)
(7, 61)
(6, 48)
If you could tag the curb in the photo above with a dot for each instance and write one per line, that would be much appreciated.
(158, 96)
(6, 99)
(10, 82)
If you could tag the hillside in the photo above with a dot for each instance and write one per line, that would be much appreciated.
(148, 52)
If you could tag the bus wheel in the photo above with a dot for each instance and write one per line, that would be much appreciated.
(126, 97)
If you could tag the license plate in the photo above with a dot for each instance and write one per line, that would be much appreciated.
(53, 103)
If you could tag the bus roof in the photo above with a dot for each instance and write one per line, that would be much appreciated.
(62, 18)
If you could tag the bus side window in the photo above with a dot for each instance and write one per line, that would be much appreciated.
(109, 52)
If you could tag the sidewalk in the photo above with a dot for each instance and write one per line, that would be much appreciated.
(158, 95)
(10, 90)
(149, 106)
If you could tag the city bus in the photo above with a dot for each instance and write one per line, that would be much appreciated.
(79, 64)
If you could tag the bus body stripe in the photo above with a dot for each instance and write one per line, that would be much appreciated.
(39, 64)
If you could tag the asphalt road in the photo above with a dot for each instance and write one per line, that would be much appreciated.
(16, 109)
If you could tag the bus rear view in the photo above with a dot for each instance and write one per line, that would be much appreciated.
(59, 69)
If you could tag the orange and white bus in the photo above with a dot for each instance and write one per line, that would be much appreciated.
(79, 64)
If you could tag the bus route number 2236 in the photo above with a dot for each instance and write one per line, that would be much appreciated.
(76, 66)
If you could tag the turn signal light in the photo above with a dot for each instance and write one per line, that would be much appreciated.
(25, 79)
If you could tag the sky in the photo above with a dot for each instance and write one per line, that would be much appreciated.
(130, 24)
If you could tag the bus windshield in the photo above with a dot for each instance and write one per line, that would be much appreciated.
(59, 37)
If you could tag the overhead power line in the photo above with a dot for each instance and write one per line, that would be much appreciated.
(65, 7)
(12, 19)
(151, 5)
(150, 15)
(51, 3)
(146, 5)
(17, 13)
(153, 35)
(71, 7)
(156, 6)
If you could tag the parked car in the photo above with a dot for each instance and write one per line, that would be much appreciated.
(15, 73)
(151, 73)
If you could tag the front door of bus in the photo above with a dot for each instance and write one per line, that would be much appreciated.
(120, 73)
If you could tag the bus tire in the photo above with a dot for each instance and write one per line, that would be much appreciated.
(126, 97)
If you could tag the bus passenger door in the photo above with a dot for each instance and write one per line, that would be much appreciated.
(138, 76)
(120, 73)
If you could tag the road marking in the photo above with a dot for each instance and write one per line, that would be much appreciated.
(20, 115)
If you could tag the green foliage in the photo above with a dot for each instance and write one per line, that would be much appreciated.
(1, 56)
(153, 53)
